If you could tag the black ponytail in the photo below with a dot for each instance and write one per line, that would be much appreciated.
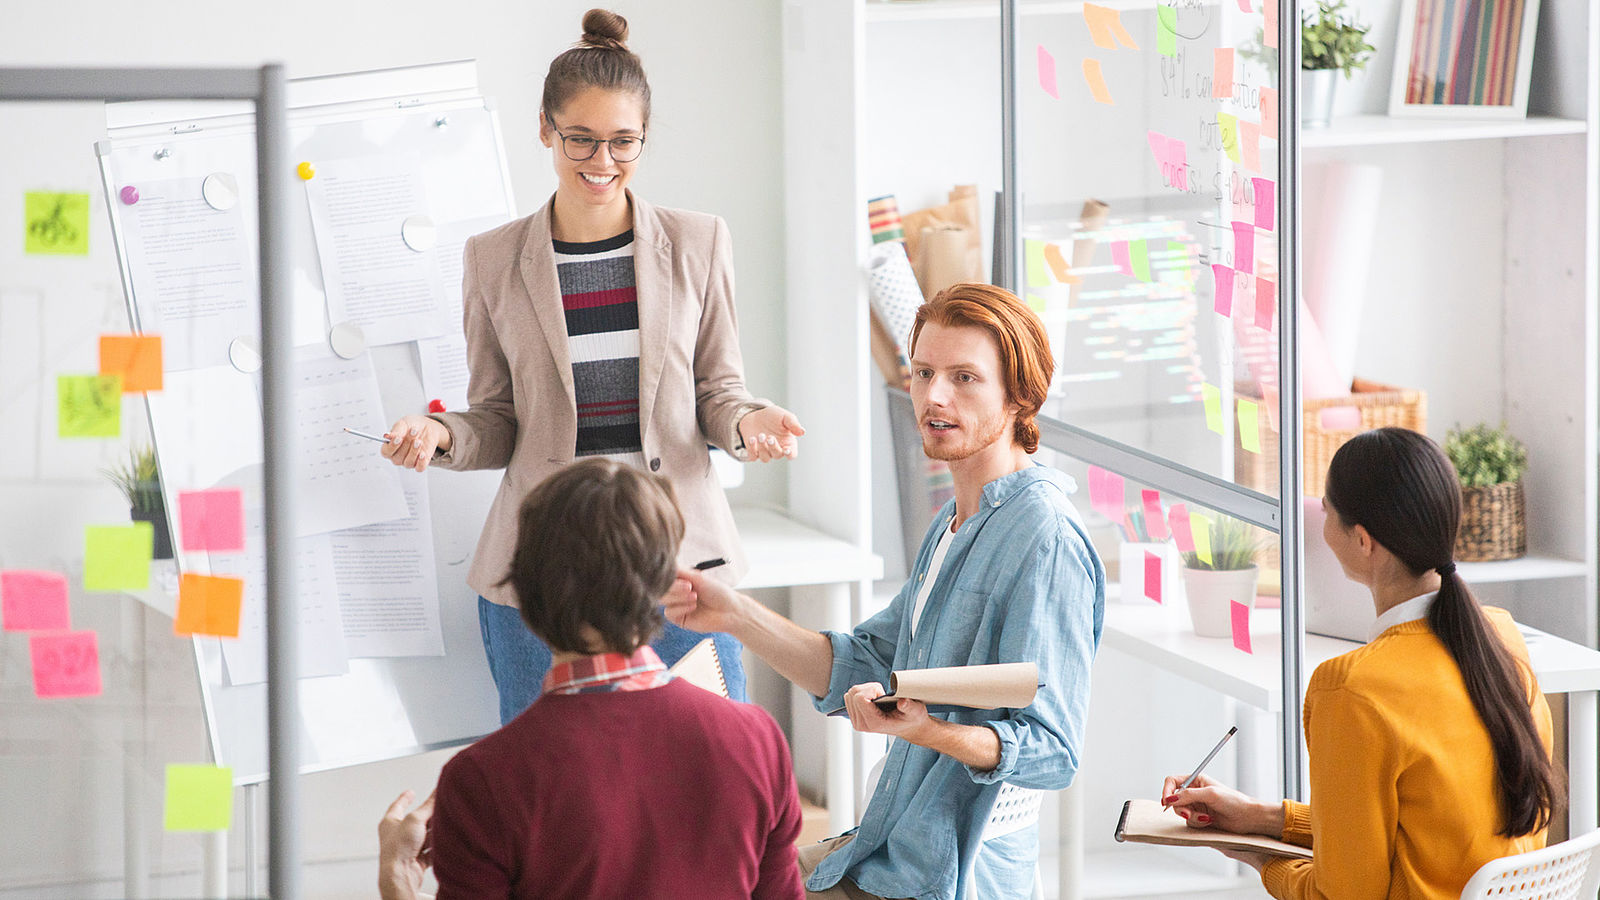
(1400, 487)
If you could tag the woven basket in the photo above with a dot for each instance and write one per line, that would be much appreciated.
(1379, 405)
(1493, 523)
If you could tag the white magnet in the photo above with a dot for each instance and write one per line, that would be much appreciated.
(418, 233)
(245, 355)
(347, 340)
(221, 190)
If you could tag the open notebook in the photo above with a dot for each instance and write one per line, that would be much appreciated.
(702, 667)
(1148, 822)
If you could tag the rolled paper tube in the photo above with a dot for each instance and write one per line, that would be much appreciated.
(883, 217)
(1009, 685)
(1341, 224)
(892, 289)
(947, 258)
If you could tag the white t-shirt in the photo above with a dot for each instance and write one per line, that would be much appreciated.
(932, 575)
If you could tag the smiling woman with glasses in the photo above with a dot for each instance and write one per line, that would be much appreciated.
(601, 325)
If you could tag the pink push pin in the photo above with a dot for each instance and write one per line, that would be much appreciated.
(129, 195)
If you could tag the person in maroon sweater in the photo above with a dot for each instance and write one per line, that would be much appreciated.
(619, 781)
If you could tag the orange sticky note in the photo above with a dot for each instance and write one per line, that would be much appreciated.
(1249, 426)
(1105, 27)
(1250, 145)
(1058, 265)
(137, 358)
(1097, 82)
(1269, 113)
(65, 664)
(1222, 72)
(1269, 24)
(208, 604)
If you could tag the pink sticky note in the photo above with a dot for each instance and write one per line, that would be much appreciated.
(1119, 257)
(1224, 291)
(1241, 625)
(1244, 5)
(1155, 522)
(1047, 72)
(1178, 518)
(1222, 71)
(1266, 303)
(34, 601)
(1250, 145)
(1152, 576)
(1178, 160)
(1269, 24)
(212, 520)
(65, 664)
(1266, 192)
(1244, 247)
(1106, 490)
(1269, 113)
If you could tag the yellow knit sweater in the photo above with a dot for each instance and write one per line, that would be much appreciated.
(1404, 800)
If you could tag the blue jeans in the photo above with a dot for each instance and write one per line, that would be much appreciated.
(518, 660)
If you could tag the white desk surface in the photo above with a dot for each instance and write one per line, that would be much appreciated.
(1163, 636)
(785, 553)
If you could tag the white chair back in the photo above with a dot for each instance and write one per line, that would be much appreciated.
(1566, 871)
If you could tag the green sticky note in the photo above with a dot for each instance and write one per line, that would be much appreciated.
(1166, 30)
(1230, 134)
(1213, 398)
(117, 557)
(1201, 527)
(1249, 426)
(199, 798)
(1033, 254)
(1139, 259)
(55, 223)
(1038, 304)
(88, 405)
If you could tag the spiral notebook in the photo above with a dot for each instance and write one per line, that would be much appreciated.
(702, 667)
(1148, 822)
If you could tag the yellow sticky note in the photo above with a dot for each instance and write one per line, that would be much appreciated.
(199, 798)
(1033, 256)
(1229, 126)
(1249, 426)
(1213, 399)
(117, 557)
(1201, 527)
(88, 405)
(208, 604)
(137, 358)
(55, 223)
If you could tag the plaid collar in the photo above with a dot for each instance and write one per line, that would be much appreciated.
(639, 671)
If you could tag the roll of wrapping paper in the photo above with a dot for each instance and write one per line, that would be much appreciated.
(883, 217)
(893, 290)
(1341, 223)
(946, 256)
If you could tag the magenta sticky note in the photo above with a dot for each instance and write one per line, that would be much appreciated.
(34, 601)
(1244, 247)
(1047, 72)
(65, 664)
(1152, 576)
(1178, 518)
(1266, 303)
(1266, 191)
(212, 520)
(1178, 159)
(1222, 71)
(1119, 256)
(1241, 625)
(1223, 295)
(1106, 491)
(1155, 521)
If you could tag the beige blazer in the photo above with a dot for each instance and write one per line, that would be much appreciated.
(522, 414)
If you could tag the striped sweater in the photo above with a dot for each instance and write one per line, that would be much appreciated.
(601, 305)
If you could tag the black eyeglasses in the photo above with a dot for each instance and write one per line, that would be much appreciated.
(580, 147)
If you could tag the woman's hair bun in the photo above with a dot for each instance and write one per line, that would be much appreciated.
(605, 30)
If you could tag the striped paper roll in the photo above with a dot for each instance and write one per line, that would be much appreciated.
(883, 217)
(893, 290)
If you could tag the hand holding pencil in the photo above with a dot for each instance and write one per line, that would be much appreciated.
(412, 441)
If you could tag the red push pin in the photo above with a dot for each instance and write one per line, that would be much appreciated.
(436, 406)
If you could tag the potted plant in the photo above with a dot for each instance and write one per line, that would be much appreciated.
(139, 480)
(1331, 41)
(1489, 462)
(1229, 576)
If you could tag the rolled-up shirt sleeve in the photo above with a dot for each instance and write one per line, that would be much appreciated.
(863, 655)
(1054, 614)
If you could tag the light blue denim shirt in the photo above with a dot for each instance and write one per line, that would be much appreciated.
(1020, 582)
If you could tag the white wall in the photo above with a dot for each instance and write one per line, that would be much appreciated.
(714, 146)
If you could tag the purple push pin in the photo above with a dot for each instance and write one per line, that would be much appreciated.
(130, 195)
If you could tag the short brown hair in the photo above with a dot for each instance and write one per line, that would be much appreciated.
(597, 546)
(600, 59)
(1025, 360)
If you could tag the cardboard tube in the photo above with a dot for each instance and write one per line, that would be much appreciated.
(1010, 685)
(947, 257)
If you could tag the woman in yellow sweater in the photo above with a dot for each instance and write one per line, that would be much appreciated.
(1429, 746)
